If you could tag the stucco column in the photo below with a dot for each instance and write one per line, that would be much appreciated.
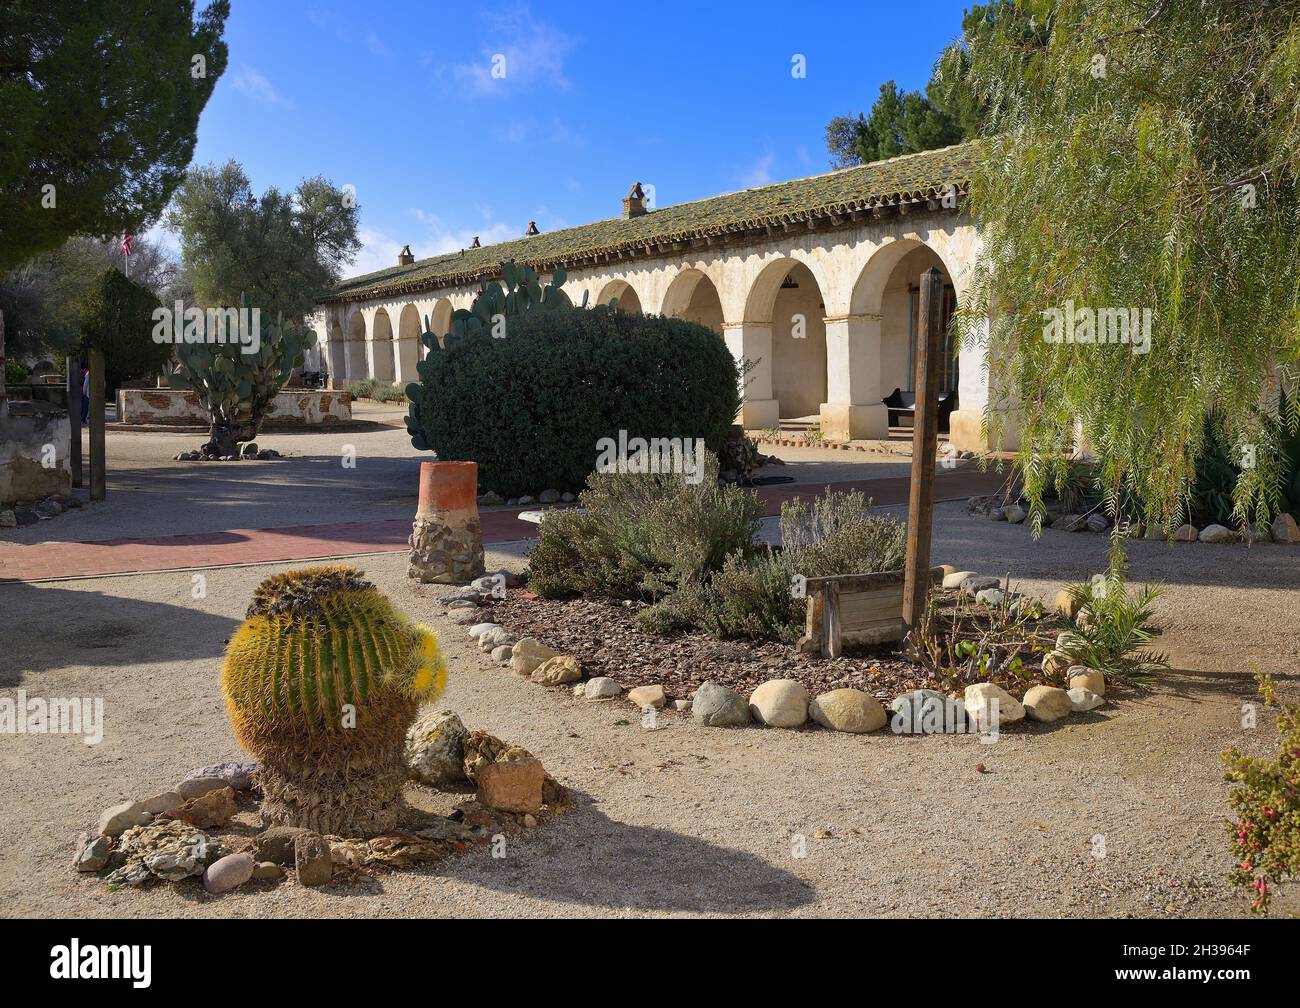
(853, 408)
(752, 341)
(974, 396)
(373, 347)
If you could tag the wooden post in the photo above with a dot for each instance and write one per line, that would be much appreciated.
(4, 392)
(73, 369)
(925, 437)
(97, 470)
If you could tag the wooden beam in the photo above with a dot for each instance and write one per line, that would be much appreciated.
(97, 467)
(73, 378)
(925, 435)
(831, 644)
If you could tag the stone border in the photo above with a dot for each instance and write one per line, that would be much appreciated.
(1283, 529)
(984, 708)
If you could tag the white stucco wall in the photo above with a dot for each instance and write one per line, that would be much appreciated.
(856, 308)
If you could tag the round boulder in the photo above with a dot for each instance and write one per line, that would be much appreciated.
(1047, 703)
(557, 671)
(848, 710)
(719, 707)
(780, 703)
(601, 688)
(1082, 700)
(435, 748)
(1085, 678)
(229, 872)
(979, 699)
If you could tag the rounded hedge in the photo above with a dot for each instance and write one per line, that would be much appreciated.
(531, 406)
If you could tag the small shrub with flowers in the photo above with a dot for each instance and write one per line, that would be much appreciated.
(1266, 830)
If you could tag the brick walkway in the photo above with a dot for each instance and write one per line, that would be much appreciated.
(44, 561)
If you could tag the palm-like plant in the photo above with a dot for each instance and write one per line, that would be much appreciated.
(1112, 631)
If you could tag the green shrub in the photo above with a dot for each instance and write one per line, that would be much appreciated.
(15, 373)
(379, 391)
(1112, 630)
(115, 316)
(1216, 476)
(1266, 832)
(752, 598)
(643, 535)
(531, 407)
(836, 533)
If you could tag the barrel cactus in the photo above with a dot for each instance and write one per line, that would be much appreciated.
(322, 680)
(236, 388)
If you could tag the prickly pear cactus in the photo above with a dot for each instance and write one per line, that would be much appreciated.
(236, 388)
(521, 291)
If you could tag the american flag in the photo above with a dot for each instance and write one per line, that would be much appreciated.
(126, 244)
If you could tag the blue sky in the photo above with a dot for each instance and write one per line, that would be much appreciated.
(399, 100)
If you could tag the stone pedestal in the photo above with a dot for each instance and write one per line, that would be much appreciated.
(446, 538)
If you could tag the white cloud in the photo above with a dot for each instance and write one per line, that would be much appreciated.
(530, 130)
(376, 47)
(760, 172)
(524, 54)
(248, 81)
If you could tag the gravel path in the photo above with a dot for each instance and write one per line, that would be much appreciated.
(684, 820)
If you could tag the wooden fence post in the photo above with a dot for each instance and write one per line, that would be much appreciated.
(97, 468)
(73, 369)
(925, 437)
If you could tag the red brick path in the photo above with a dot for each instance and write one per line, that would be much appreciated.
(305, 542)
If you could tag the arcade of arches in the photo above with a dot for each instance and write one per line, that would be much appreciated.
(826, 320)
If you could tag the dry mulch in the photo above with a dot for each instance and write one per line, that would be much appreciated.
(603, 636)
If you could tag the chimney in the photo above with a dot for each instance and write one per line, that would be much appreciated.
(532, 228)
(474, 243)
(404, 257)
(634, 201)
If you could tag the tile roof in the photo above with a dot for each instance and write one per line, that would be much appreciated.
(911, 178)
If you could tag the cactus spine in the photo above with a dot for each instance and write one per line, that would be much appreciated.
(322, 680)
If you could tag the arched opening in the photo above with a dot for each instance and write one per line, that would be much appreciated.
(788, 296)
(693, 297)
(440, 319)
(380, 350)
(409, 349)
(355, 358)
(889, 289)
(621, 291)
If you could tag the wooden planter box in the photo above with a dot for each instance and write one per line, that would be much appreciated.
(858, 608)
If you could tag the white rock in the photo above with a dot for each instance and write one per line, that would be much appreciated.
(781, 703)
(978, 700)
(955, 579)
(1047, 703)
(479, 629)
(1217, 534)
(1284, 529)
(528, 653)
(1084, 699)
(600, 688)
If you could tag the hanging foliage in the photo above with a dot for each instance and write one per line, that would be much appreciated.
(1137, 199)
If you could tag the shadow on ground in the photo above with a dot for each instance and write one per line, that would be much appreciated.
(585, 858)
(53, 628)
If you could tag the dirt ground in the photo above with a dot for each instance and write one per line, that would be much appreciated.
(684, 820)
